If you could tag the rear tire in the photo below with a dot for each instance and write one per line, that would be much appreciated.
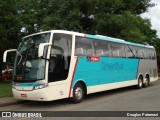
(140, 82)
(146, 83)
(78, 93)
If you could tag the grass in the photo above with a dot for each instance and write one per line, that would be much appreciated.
(6, 89)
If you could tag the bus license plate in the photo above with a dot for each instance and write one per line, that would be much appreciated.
(23, 95)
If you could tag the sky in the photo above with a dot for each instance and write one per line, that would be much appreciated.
(154, 15)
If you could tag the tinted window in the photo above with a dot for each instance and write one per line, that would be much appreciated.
(140, 52)
(117, 50)
(134, 51)
(102, 48)
(152, 54)
(146, 53)
(60, 57)
(84, 46)
(128, 51)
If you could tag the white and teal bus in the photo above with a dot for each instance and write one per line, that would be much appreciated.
(60, 64)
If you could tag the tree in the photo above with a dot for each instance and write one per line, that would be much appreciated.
(8, 26)
(114, 18)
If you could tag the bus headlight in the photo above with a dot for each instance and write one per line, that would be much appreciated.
(40, 86)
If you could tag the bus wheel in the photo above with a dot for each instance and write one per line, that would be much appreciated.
(140, 82)
(146, 83)
(78, 93)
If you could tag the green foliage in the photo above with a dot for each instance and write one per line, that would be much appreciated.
(115, 18)
(8, 27)
(125, 26)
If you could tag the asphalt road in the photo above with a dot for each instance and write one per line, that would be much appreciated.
(124, 99)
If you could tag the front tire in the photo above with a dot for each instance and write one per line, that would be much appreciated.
(78, 93)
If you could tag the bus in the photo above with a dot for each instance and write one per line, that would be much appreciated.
(60, 64)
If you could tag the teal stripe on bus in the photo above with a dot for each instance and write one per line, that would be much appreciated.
(113, 40)
(107, 70)
(26, 84)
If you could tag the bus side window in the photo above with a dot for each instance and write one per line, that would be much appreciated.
(152, 54)
(146, 53)
(128, 52)
(102, 48)
(118, 50)
(99, 52)
(134, 51)
(140, 52)
(84, 46)
(79, 51)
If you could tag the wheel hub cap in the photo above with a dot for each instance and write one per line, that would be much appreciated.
(78, 93)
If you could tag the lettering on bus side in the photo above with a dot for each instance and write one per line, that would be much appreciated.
(93, 59)
(111, 66)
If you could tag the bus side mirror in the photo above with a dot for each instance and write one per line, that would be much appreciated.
(5, 54)
(41, 48)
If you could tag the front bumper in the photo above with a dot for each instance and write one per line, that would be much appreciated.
(34, 95)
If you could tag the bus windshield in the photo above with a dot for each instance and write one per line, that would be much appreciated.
(27, 66)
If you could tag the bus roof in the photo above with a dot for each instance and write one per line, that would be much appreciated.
(116, 40)
(100, 37)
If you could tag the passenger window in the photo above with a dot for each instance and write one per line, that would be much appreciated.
(128, 51)
(152, 54)
(84, 46)
(134, 51)
(117, 50)
(102, 48)
(146, 53)
(140, 52)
